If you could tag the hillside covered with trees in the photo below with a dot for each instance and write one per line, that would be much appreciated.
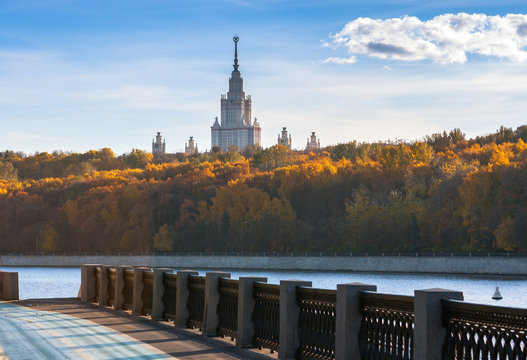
(443, 193)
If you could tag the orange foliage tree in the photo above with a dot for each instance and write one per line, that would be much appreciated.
(445, 193)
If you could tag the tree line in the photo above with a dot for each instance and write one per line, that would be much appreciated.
(442, 193)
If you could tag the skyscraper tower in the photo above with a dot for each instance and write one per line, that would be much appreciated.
(236, 126)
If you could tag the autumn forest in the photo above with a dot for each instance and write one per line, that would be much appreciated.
(442, 193)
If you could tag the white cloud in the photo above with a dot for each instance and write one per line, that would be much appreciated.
(339, 60)
(447, 38)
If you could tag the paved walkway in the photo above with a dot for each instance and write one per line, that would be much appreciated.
(70, 329)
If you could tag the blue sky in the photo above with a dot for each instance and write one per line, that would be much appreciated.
(78, 75)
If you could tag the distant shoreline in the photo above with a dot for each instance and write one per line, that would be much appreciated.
(444, 265)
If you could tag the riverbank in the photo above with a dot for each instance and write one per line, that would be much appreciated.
(470, 265)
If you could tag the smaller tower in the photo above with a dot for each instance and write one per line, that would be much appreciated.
(191, 148)
(312, 143)
(284, 139)
(158, 146)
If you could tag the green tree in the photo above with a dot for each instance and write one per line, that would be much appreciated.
(398, 155)
(505, 235)
(137, 159)
(273, 157)
(439, 141)
(50, 238)
(456, 136)
(8, 171)
(504, 135)
(347, 151)
(164, 238)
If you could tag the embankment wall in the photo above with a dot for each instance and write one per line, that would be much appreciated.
(386, 264)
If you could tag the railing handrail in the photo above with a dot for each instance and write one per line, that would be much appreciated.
(272, 288)
(314, 294)
(505, 310)
(228, 282)
(489, 315)
(196, 279)
(128, 275)
(171, 277)
(383, 296)
(400, 303)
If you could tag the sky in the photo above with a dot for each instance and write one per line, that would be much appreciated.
(78, 75)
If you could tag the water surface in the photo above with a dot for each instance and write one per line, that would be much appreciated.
(43, 282)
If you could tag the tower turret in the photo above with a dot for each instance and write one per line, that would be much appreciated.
(192, 147)
(284, 139)
(158, 146)
(312, 143)
(236, 81)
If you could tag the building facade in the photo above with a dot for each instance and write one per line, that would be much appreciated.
(158, 145)
(312, 143)
(283, 139)
(236, 127)
(192, 147)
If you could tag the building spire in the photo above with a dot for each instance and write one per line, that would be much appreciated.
(236, 39)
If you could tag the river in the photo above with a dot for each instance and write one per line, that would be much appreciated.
(46, 282)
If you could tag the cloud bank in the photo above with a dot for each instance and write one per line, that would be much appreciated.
(443, 39)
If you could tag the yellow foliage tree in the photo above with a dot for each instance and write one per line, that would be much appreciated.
(500, 155)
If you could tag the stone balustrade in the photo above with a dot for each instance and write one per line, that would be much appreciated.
(351, 322)
(8, 285)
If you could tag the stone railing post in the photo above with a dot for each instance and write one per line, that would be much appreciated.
(429, 333)
(9, 283)
(348, 320)
(103, 286)
(137, 307)
(118, 298)
(158, 305)
(246, 303)
(182, 297)
(289, 314)
(212, 298)
(88, 283)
